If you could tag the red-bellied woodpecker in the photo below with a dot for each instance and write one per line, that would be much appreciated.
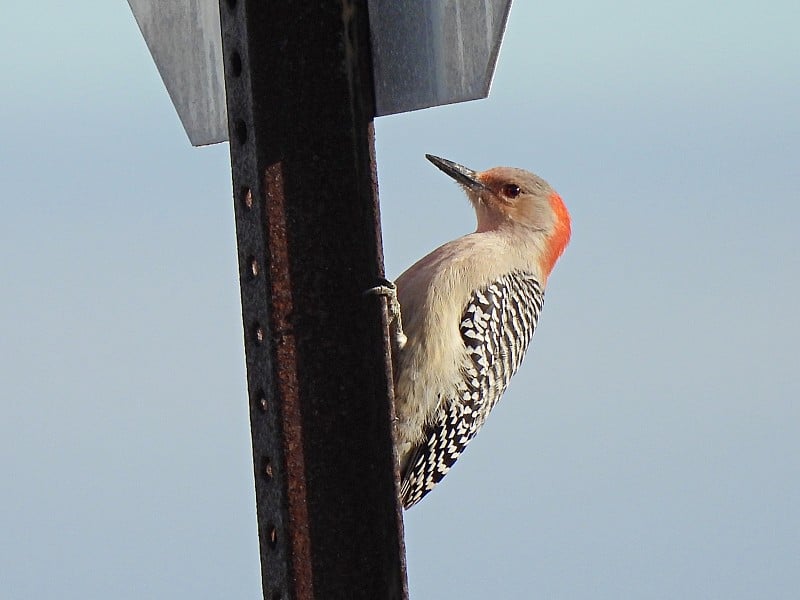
(469, 309)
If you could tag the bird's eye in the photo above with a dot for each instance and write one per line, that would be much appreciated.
(511, 190)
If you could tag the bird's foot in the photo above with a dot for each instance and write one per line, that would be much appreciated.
(388, 289)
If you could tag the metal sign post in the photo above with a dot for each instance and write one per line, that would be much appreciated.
(302, 82)
(300, 109)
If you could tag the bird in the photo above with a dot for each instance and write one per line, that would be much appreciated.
(462, 318)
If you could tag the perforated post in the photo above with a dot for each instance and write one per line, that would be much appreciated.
(300, 109)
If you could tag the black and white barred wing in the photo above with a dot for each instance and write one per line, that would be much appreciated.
(497, 326)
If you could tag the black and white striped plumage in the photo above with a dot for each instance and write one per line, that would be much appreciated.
(496, 328)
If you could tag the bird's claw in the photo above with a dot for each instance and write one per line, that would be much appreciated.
(388, 290)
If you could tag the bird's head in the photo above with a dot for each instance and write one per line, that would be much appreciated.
(505, 197)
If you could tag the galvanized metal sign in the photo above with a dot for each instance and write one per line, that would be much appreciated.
(185, 40)
(433, 53)
(424, 54)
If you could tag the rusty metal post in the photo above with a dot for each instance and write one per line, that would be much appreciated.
(300, 109)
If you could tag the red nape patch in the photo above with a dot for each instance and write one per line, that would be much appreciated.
(561, 232)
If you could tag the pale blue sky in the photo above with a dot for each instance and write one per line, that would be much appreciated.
(649, 448)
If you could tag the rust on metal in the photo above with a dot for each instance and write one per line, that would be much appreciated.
(287, 386)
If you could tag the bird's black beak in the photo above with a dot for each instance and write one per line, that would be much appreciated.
(460, 173)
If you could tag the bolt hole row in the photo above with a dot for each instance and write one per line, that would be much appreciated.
(253, 267)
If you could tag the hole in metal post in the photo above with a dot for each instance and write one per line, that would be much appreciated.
(272, 532)
(258, 333)
(247, 198)
(261, 400)
(240, 127)
(236, 64)
(268, 468)
(254, 267)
